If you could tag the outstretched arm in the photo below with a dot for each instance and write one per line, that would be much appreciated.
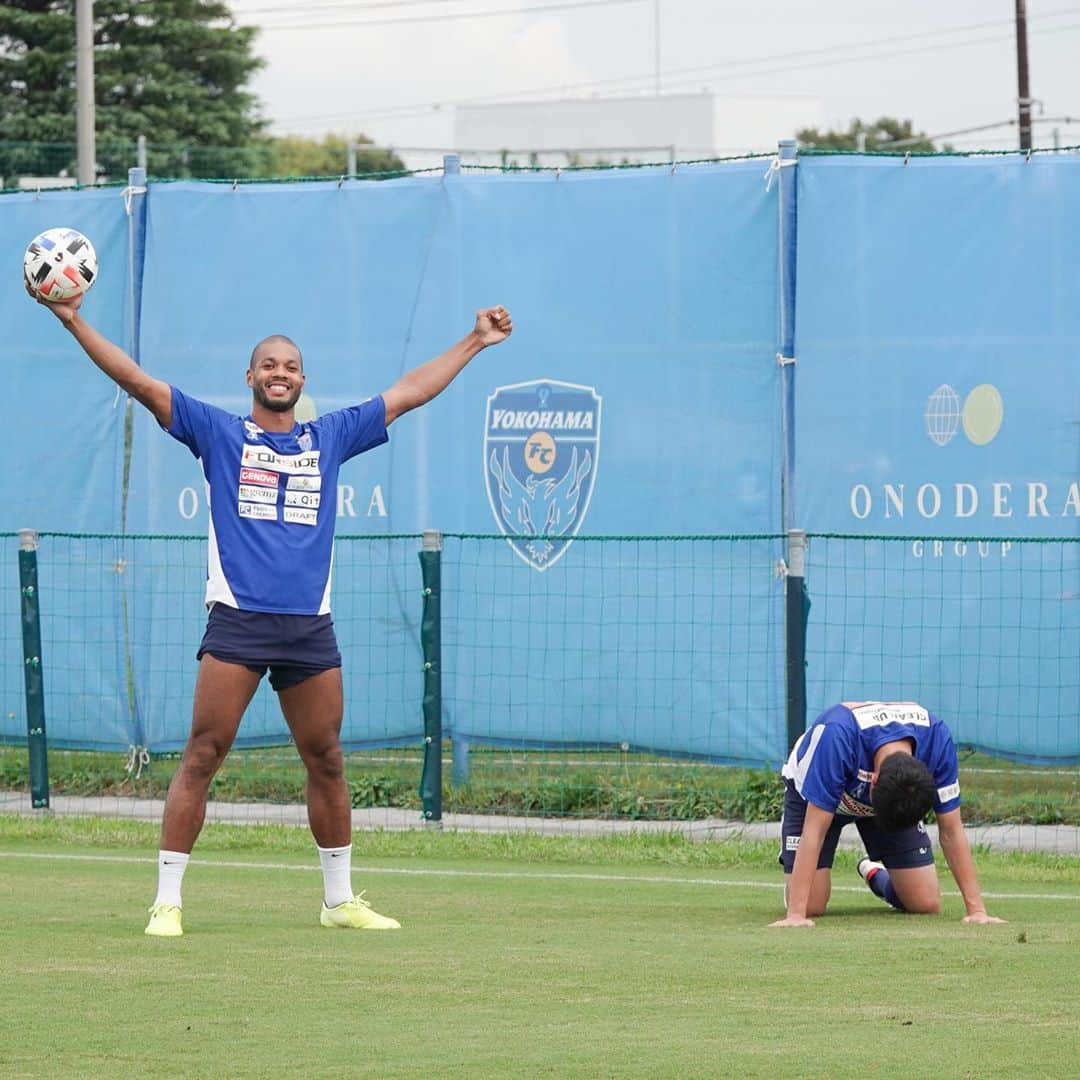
(153, 393)
(954, 844)
(420, 385)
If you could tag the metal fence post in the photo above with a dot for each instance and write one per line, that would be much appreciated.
(459, 760)
(787, 159)
(37, 743)
(798, 612)
(431, 644)
(136, 206)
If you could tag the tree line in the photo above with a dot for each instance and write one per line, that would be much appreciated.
(174, 71)
(178, 73)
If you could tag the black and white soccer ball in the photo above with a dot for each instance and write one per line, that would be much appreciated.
(60, 264)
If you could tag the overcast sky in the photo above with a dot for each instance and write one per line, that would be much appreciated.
(393, 69)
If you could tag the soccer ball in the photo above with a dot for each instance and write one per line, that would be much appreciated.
(60, 264)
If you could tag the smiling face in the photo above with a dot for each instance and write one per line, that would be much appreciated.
(276, 374)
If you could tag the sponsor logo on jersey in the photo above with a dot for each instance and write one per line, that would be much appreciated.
(252, 493)
(853, 807)
(259, 457)
(303, 498)
(258, 476)
(870, 714)
(541, 448)
(252, 431)
(949, 791)
(304, 483)
(260, 511)
(300, 517)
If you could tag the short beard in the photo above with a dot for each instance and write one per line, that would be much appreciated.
(274, 405)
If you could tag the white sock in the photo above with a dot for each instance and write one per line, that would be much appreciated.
(336, 865)
(171, 867)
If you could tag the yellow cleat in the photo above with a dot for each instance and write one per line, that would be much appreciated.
(165, 921)
(356, 914)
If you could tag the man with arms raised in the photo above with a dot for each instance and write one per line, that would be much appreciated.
(272, 483)
(882, 765)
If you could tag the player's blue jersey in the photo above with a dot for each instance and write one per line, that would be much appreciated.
(831, 763)
(273, 499)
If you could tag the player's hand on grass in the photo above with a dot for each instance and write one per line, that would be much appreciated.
(983, 919)
(793, 920)
(64, 310)
(493, 325)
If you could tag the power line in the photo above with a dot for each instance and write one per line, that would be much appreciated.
(1011, 122)
(565, 5)
(683, 75)
(991, 40)
(343, 6)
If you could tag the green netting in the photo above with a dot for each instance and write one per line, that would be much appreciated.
(983, 630)
(21, 163)
(815, 151)
(672, 637)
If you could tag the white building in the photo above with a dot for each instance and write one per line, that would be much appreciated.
(668, 127)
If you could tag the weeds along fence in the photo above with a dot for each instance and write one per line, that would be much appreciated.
(645, 679)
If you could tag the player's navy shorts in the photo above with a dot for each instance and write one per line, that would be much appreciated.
(292, 647)
(900, 850)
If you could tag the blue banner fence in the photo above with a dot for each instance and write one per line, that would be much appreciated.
(856, 346)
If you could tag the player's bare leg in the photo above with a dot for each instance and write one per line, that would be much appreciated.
(915, 890)
(313, 710)
(918, 889)
(222, 693)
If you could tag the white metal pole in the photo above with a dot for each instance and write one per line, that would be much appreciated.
(84, 90)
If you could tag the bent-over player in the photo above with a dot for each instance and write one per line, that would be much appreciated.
(881, 765)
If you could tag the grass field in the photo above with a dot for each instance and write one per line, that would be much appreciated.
(519, 956)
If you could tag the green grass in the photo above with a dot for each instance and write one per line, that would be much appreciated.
(573, 784)
(513, 961)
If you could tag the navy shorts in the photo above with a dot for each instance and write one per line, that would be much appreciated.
(901, 850)
(292, 647)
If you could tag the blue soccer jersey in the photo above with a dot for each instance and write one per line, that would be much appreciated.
(273, 498)
(831, 763)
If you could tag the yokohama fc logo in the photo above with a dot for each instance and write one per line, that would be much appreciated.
(541, 448)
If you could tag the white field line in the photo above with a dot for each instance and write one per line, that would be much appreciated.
(649, 879)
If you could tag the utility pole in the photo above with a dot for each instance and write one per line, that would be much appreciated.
(1024, 92)
(84, 91)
